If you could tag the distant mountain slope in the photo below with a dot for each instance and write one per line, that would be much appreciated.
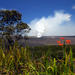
(46, 40)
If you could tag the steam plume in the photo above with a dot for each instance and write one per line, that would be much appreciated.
(58, 25)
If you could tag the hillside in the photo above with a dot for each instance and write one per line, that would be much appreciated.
(46, 40)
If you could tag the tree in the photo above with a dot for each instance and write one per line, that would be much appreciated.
(11, 23)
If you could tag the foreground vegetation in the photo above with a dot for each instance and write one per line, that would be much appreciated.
(45, 60)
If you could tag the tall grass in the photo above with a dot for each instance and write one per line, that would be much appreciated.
(19, 61)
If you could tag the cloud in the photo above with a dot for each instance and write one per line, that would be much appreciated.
(58, 25)
(73, 7)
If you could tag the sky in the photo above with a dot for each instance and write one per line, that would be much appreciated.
(45, 17)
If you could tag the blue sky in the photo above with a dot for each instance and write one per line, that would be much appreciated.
(32, 9)
(45, 17)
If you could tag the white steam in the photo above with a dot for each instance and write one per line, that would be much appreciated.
(57, 25)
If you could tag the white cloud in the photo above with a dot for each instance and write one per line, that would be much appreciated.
(73, 7)
(58, 25)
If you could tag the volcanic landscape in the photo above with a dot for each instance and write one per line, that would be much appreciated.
(45, 40)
